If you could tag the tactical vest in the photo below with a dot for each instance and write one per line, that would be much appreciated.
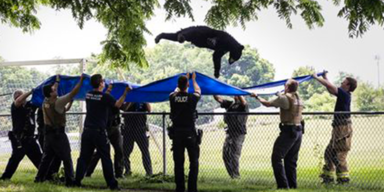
(182, 112)
(293, 114)
(51, 116)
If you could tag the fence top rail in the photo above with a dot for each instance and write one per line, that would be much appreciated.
(233, 113)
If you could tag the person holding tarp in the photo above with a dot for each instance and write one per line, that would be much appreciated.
(56, 142)
(183, 132)
(56, 163)
(235, 132)
(95, 136)
(115, 137)
(136, 131)
(337, 150)
(22, 135)
(287, 145)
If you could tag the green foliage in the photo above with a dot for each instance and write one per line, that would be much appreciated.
(368, 98)
(309, 88)
(250, 70)
(342, 75)
(168, 59)
(14, 78)
(126, 19)
(20, 14)
(227, 12)
(361, 14)
(322, 102)
(178, 8)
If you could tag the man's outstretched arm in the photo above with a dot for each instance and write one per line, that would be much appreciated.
(61, 102)
(21, 99)
(76, 90)
(332, 89)
(122, 98)
(196, 86)
(242, 100)
(262, 101)
(218, 99)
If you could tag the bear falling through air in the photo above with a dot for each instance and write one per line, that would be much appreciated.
(201, 36)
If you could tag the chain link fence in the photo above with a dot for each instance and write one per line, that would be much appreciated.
(365, 159)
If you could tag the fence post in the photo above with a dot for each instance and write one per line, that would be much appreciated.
(164, 148)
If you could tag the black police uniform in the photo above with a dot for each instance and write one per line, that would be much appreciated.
(95, 137)
(135, 130)
(183, 115)
(56, 162)
(114, 135)
(22, 138)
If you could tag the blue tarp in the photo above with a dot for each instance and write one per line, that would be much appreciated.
(67, 83)
(159, 91)
(277, 86)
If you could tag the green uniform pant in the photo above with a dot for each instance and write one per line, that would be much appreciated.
(337, 150)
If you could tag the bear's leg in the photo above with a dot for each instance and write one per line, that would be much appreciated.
(168, 36)
(217, 61)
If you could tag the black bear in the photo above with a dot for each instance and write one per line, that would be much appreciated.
(202, 36)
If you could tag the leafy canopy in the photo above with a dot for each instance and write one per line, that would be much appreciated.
(125, 19)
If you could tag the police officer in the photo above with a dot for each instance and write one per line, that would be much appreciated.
(337, 150)
(56, 140)
(287, 145)
(136, 130)
(22, 134)
(184, 134)
(115, 137)
(95, 134)
(235, 132)
(56, 162)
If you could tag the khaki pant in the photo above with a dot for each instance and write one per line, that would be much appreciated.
(337, 150)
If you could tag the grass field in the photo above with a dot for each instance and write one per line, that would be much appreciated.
(24, 183)
(366, 160)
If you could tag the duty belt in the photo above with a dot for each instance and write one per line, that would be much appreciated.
(51, 129)
(298, 127)
(99, 129)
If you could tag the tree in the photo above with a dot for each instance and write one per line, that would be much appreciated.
(15, 78)
(168, 59)
(125, 19)
(322, 102)
(369, 98)
(309, 88)
(250, 70)
(342, 75)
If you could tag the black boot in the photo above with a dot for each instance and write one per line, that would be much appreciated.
(327, 179)
(342, 181)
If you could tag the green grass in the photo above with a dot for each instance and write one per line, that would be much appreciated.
(23, 182)
(366, 160)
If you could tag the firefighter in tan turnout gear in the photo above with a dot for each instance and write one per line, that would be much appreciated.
(337, 150)
(287, 145)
